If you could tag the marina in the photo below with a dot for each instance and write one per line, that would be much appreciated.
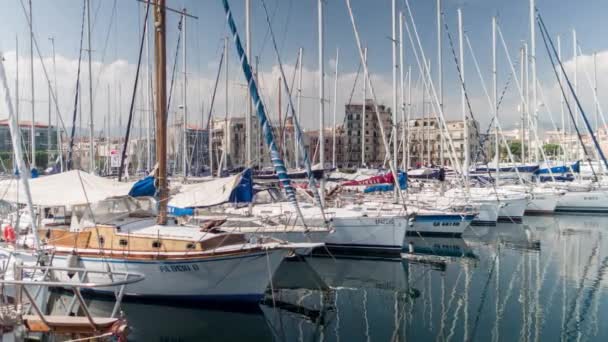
(205, 212)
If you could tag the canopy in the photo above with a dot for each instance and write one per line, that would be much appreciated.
(217, 191)
(67, 188)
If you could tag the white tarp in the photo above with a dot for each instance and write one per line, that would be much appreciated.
(205, 194)
(67, 188)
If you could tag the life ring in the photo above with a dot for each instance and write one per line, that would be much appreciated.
(8, 233)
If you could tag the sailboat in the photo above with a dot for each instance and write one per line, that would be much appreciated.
(179, 262)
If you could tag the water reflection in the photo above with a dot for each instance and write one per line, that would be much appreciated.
(544, 279)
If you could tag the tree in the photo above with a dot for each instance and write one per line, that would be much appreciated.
(551, 150)
(515, 147)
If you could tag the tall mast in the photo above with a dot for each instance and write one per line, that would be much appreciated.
(394, 109)
(575, 57)
(408, 114)
(363, 110)
(297, 149)
(440, 78)
(160, 62)
(224, 155)
(523, 103)
(335, 109)
(15, 130)
(249, 103)
(185, 104)
(428, 125)
(91, 127)
(561, 98)
(16, 92)
(148, 103)
(527, 97)
(59, 151)
(32, 127)
(402, 93)
(465, 164)
(494, 100)
(597, 104)
(321, 97)
(533, 108)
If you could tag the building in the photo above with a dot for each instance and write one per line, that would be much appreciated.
(355, 134)
(427, 142)
(42, 131)
(197, 140)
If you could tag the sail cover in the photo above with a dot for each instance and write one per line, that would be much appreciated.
(217, 191)
(68, 188)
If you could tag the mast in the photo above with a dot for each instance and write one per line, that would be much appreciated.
(527, 98)
(335, 109)
(297, 149)
(59, 150)
(494, 100)
(224, 155)
(91, 127)
(363, 106)
(24, 172)
(561, 98)
(575, 58)
(440, 78)
(533, 108)
(523, 103)
(16, 91)
(409, 114)
(185, 104)
(428, 125)
(321, 97)
(597, 105)
(249, 103)
(148, 102)
(394, 109)
(160, 62)
(401, 95)
(32, 127)
(465, 165)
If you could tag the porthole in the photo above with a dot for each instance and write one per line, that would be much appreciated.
(191, 245)
(156, 244)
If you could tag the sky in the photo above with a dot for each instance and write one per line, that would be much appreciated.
(116, 32)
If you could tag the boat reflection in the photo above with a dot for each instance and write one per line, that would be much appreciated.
(364, 299)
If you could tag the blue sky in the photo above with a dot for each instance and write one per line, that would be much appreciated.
(295, 23)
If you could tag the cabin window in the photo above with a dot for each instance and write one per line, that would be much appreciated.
(101, 240)
(123, 242)
(156, 244)
(191, 245)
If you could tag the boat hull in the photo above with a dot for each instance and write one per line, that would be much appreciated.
(488, 214)
(368, 233)
(512, 210)
(543, 203)
(239, 278)
(583, 202)
(450, 225)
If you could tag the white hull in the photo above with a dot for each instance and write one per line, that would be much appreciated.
(595, 201)
(543, 203)
(512, 210)
(368, 233)
(488, 214)
(223, 278)
(439, 225)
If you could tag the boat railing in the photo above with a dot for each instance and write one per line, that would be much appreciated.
(24, 283)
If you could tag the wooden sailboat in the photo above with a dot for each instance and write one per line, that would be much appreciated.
(179, 262)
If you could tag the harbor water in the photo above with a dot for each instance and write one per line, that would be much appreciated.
(543, 280)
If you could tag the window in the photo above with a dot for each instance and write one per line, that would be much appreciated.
(123, 242)
(101, 240)
(156, 244)
(191, 245)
